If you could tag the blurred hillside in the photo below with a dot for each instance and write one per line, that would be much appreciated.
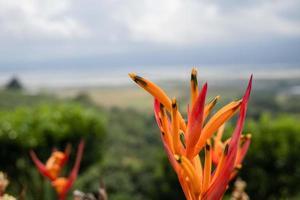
(270, 95)
(124, 145)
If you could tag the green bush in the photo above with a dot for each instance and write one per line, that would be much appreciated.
(272, 165)
(42, 127)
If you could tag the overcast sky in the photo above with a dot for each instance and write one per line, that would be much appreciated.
(148, 32)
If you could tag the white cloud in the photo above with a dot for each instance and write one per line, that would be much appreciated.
(39, 19)
(195, 21)
(173, 22)
(58, 29)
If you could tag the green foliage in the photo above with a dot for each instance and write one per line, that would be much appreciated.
(272, 165)
(131, 160)
(41, 128)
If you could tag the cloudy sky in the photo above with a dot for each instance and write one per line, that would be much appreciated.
(148, 32)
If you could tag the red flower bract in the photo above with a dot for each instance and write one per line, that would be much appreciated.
(54, 165)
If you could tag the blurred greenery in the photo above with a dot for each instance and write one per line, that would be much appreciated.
(272, 166)
(124, 148)
(42, 127)
(10, 99)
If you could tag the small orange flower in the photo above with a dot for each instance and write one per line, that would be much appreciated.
(53, 168)
(184, 141)
(54, 164)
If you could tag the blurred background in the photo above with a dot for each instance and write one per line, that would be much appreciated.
(63, 76)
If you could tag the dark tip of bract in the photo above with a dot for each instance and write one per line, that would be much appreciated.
(182, 139)
(174, 103)
(194, 80)
(215, 100)
(138, 79)
(207, 147)
(226, 149)
(162, 107)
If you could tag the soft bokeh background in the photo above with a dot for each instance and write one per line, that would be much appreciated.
(63, 72)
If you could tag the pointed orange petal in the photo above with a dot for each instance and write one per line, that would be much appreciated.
(184, 185)
(167, 148)
(175, 128)
(198, 166)
(165, 123)
(207, 168)
(171, 158)
(153, 89)
(220, 133)
(208, 108)
(158, 93)
(190, 172)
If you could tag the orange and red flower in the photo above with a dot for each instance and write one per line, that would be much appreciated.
(51, 170)
(184, 141)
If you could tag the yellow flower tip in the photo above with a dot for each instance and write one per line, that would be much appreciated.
(248, 136)
(214, 101)
(238, 167)
(138, 79)
(177, 158)
(132, 75)
(194, 71)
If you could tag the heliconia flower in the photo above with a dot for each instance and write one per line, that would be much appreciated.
(54, 164)
(184, 141)
(61, 184)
